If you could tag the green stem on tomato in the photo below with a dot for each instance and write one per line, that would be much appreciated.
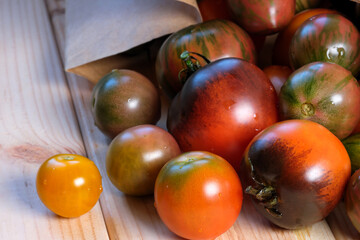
(191, 65)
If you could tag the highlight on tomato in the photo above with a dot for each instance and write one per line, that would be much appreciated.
(295, 172)
(198, 195)
(68, 184)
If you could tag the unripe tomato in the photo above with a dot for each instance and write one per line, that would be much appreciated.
(68, 184)
(198, 195)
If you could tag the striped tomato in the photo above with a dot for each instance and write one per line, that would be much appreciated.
(213, 39)
(352, 199)
(262, 17)
(328, 38)
(325, 93)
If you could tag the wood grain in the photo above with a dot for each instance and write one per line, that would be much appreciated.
(37, 120)
(136, 218)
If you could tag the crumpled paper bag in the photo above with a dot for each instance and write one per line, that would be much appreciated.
(105, 34)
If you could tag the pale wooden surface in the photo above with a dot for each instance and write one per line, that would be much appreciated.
(45, 111)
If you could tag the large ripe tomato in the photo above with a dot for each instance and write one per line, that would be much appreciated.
(326, 37)
(262, 17)
(198, 195)
(135, 157)
(352, 199)
(214, 40)
(68, 184)
(295, 172)
(325, 93)
(282, 44)
(221, 108)
(123, 99)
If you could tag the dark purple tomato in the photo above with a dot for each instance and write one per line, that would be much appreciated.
(221, 108)
(327, 38)
(213, 39)
(295, 172)
(135, 157)
(325, 93)
(262, 17)
(123, 99)
(352, 199)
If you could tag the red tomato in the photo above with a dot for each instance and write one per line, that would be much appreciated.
(214, 9)
(68, 184)
(221, 108)
(296, 172)
(352, 199)
(283, 40)
(277, 75)
(262, 17)
(198, 195)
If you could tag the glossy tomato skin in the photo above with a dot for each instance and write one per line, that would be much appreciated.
(68, 184)
(352, 200)
(301, 166)
(262, 17)
(221, 108)
(213, 39)
(283, 40)
(325, 93)
(123, 99)
(326, 37)
(277, 75)
(135, 157)
(198, 195)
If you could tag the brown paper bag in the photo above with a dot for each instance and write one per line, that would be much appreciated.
(105, 34)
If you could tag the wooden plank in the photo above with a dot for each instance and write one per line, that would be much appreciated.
(132, 218)
(37, 120)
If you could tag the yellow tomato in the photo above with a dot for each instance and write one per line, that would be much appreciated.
(69, 184)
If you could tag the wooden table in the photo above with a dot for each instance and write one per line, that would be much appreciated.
(45, 111)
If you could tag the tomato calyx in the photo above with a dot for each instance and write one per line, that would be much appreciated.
(265, 194)
(307, 109)
(190, 65)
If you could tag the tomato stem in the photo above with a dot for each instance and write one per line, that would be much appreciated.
(307, 109)
(190, 64)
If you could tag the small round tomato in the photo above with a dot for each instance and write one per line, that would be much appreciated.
(123, 99)
(136, 156)
(69, 184)
(352, 199)
(277, 75)
(296, 172)
(198, 195)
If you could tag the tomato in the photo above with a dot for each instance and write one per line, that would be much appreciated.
(68, 184)
(352, 200)
(135, 157)
(198, 195)
(282, 44)
(325, 93)
(295, 172)
(214, 40)
(277, 75)
(123, 99)
(327, 38)
(262, 17)
(213, 9)
(352, 145)
(221, 108)
(302, 5)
